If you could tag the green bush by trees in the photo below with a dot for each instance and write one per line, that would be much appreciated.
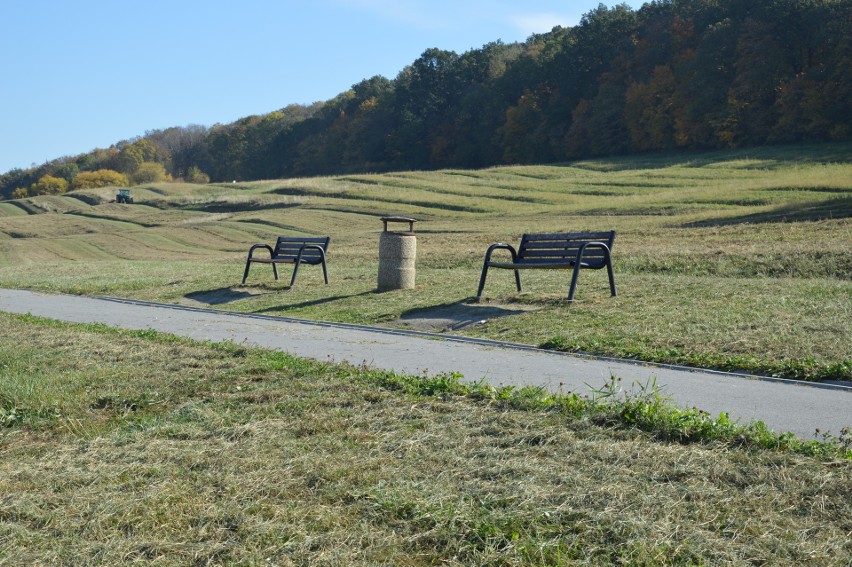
(195, 175)
(149, 172)
(686, 74)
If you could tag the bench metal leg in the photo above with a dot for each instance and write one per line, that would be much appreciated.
(576, 273)
(295, 271)
(573, 287)
(248, 265)
(611, 278)
(482, 281)
(487, 263)
(579, 262)
(485, 272)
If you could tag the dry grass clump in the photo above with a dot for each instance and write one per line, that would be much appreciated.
(137, 447)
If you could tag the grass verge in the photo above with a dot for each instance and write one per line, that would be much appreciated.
(135, 446)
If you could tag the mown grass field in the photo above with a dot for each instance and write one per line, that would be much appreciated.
(733, 260)
(125, 447)
(120, 447)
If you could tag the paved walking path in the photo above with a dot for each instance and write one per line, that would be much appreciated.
(783, 405)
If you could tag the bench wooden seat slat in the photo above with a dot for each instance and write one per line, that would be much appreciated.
(532, 266)
(294, 250)
(555, 251)
(559, 254)
(556, 245)
(553, 264)
(562, 236)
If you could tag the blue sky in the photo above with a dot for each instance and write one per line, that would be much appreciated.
(83, 74)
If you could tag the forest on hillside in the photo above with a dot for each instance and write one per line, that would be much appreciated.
(675, 74)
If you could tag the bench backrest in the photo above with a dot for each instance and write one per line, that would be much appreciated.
(557, 248)
(287, 248)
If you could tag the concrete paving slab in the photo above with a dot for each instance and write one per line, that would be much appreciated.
(783, 405)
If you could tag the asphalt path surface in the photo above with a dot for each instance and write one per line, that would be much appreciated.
(784, 405)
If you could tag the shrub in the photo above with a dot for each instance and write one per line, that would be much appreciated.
(49, 185)
(99, 178)
(195, 175)
(148, 172)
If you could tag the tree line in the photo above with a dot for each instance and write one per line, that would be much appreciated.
(672, 75)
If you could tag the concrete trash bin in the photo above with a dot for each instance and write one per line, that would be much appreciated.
(397, 254)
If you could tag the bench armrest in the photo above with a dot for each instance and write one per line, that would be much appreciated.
(594, 244)
(501, 246)
(256, 246)
(491, 249)
(304, 247)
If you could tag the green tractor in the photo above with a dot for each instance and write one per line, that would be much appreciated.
(123, 196)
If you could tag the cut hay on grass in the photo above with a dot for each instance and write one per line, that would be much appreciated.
(123, 447)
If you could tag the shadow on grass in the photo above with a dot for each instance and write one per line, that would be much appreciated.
(220, 296)
(764, 157)
(312, 302)
(221, 207)
(453, 316)
(840, 208)
(299, 192)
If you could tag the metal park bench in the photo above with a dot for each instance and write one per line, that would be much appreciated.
(556, 251)
(291, 250)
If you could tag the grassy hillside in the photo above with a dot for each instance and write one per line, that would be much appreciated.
(736, 260)
(120, 446)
